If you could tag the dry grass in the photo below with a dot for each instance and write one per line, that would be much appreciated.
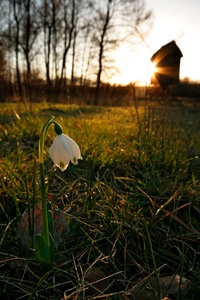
(132, 203)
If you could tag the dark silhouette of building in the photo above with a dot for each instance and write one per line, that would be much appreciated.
(167, 65)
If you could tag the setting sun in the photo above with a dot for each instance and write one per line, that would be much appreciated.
(132, 68)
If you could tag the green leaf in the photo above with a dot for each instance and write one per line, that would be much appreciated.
(51, 233)
(42, 252)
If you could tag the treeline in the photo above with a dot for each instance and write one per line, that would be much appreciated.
(61, 50)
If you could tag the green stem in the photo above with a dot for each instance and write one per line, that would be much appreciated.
(45, 243)
(45, 229)
(45, 226)
(42, 137)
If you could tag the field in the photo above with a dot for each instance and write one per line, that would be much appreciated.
(132, 204)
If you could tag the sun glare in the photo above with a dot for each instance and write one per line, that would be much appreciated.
(153, 68)
(130, 68)
(145, 72)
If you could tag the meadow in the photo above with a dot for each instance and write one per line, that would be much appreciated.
(132, 204)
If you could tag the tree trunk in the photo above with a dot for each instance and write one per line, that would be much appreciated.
(101, 52)
(67, 39)
(18, 76)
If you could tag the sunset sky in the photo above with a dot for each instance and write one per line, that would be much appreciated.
(177, 20)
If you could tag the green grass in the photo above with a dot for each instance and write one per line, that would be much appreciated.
(132, 203)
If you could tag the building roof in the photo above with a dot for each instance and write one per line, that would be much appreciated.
(170, 49)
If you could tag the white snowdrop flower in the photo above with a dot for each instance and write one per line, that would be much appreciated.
(63, 150)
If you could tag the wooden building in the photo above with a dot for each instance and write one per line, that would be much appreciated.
(167, 65)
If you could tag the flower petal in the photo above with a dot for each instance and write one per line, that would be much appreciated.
(74, 150)
(63, 150)
(58, 154)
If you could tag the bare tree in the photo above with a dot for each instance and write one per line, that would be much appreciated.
(50, 24)
(116, 21)
(20, 34)
(105, 20)
(77, 38)
(6, 44)
(86, 37)
(80, 23)
(69, 27)
(18, 17)
(47, 23)
(3, 77)
(28, 36)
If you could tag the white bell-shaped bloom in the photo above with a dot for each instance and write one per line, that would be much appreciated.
(63, 150)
